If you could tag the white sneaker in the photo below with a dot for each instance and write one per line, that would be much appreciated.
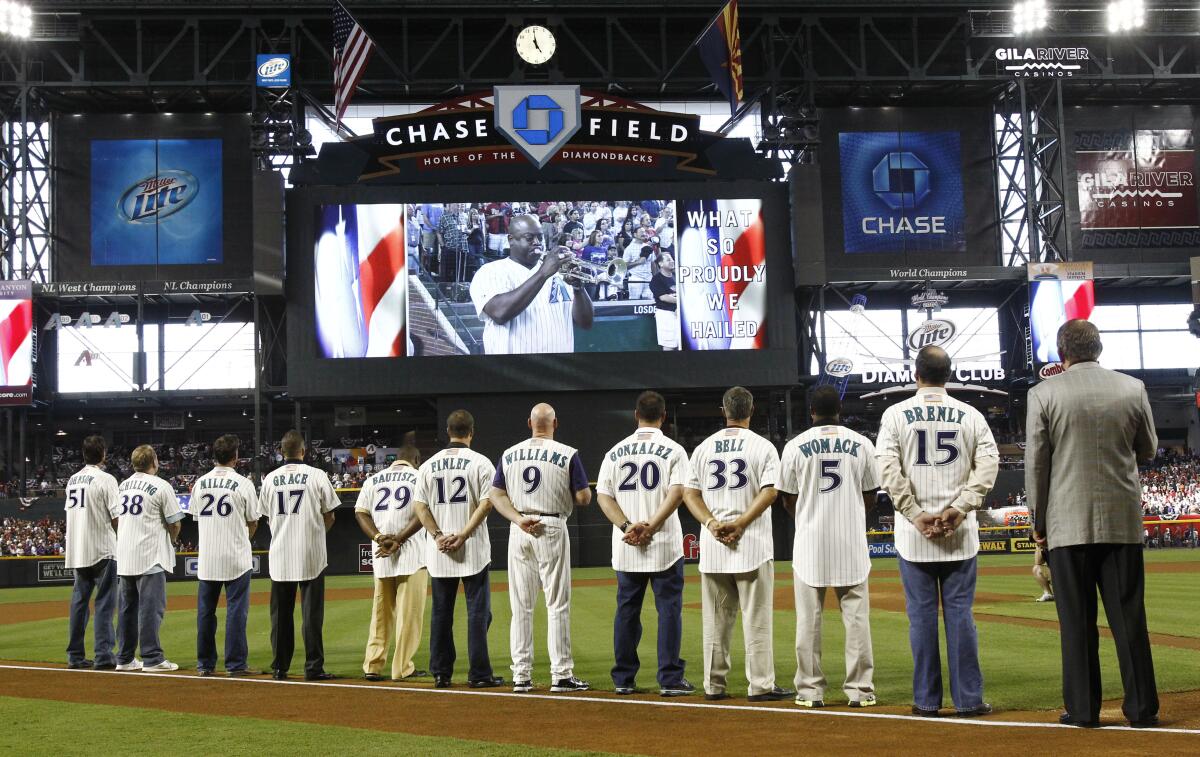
(1045, 598)
(135, 665)
(166, 666)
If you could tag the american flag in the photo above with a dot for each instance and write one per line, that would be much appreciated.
(351, 51)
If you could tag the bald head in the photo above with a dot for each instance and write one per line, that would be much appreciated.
(1079, 341)
(933, 366)
(542, 420)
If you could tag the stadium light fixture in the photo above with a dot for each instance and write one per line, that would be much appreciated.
(16, 19)
(1029, 16)
(1126, 15)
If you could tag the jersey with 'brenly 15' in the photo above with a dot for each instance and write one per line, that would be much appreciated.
(294, 498)
(937, 440)
(828, 468)
(729, 469)
(222, 503)
(541, 476)
(90, 537)
(145, 505)
(452, 484)
(388, 498)
(638, 472)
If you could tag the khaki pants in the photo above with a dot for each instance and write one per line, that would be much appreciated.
(860, 664)
(723, 594)
(398, 609)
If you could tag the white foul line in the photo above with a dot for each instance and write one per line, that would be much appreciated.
(609, 700)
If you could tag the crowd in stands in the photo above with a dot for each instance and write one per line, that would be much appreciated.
(1171, 487)
(26, 538)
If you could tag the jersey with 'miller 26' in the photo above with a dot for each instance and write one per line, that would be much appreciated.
(295, 498)
(828, 468)
(388, 498)
(730, 468)
(541, 476)
(90, 538)
(452, 484)
(144, 507)
(222, 503)
(637, 473)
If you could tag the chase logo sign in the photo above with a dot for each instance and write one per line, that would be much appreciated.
(901, 180)
(158, 196)
(538, 120)
(274, 70)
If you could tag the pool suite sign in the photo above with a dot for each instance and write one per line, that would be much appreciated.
(538, 124)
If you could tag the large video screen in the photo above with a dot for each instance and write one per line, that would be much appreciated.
(544, 277)
(1051, 304)
(16, 342)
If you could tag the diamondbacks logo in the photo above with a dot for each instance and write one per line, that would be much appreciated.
(159, 196)
(538, 120)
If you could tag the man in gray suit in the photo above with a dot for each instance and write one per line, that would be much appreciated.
(1086, 430)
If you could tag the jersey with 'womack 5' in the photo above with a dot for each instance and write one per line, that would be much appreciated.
(828, 468)
(637, 473)
(937, 440)
(90, 537)
(222, 503)
(452, 484)
(729, 469)
(294, 499)
(388, 497)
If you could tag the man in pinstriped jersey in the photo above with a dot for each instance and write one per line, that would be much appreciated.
(938, 460)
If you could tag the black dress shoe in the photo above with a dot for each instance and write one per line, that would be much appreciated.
(203, 673)
(372, 676)
(925, 713)
(441, 682)
(774, 695)
(279, 675)
(105, 666)
(81, 665)
(486, 683)
(244, 672)
(974, 712)
(1150, 722)
(322, 676)
(1066, 719)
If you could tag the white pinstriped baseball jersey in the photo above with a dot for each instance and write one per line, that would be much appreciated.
(541, 476)
(90, 537)
(729, 469)
(828, 468)
(638, 472)
(936, 439)
(144, 506)
(222, 502)
(294, 498)
(452, 484)
(545, 325)
(388, 498)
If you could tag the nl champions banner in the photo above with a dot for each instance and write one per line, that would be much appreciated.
(433, 279)
(1137, 188)
(902, 192)
(156, 202)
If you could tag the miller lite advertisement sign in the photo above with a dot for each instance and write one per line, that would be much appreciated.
(156, 202)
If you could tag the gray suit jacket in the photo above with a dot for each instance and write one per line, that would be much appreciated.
(1085, 431)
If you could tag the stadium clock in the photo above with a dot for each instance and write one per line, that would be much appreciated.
(535, 45)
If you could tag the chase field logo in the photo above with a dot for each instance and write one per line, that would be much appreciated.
(936, 332)
(158, 196)
(538, 120)
(1042, 62)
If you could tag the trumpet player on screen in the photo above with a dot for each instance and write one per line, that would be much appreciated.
(526, 303)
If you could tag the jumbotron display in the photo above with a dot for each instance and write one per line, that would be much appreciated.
(503, 278)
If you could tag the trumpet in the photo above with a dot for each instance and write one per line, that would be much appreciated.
(576, 271)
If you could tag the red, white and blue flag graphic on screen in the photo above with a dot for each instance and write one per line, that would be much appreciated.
(360, 280)
(722, 275)
(16, 344)
(1051, 304)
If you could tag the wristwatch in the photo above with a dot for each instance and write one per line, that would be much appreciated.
(625, 526)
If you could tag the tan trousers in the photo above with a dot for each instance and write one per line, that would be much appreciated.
(723, 594)
(398, 609)
(860, 663)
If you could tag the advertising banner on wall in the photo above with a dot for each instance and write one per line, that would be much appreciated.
(901, 191)
(1137, 188)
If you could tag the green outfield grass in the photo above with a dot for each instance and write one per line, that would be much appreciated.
(1020, 663)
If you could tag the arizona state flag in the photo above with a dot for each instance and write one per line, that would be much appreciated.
(721, 50)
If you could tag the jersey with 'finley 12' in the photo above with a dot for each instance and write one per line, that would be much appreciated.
(544, 326)
(730, 468)
(388, 498)
(144, 506)
(294, 499)
(452, 484)
(541, 476)
(828, 468)
(637, 473)
(91, 494)
(222, 503)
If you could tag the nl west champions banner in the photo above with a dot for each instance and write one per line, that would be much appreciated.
(1137, 188)
(902, 192)
(156, 202)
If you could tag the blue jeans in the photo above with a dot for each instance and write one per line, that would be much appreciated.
(143, 604)
(101, 578)
(237, 600)
(667, 586)
(954, 582)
